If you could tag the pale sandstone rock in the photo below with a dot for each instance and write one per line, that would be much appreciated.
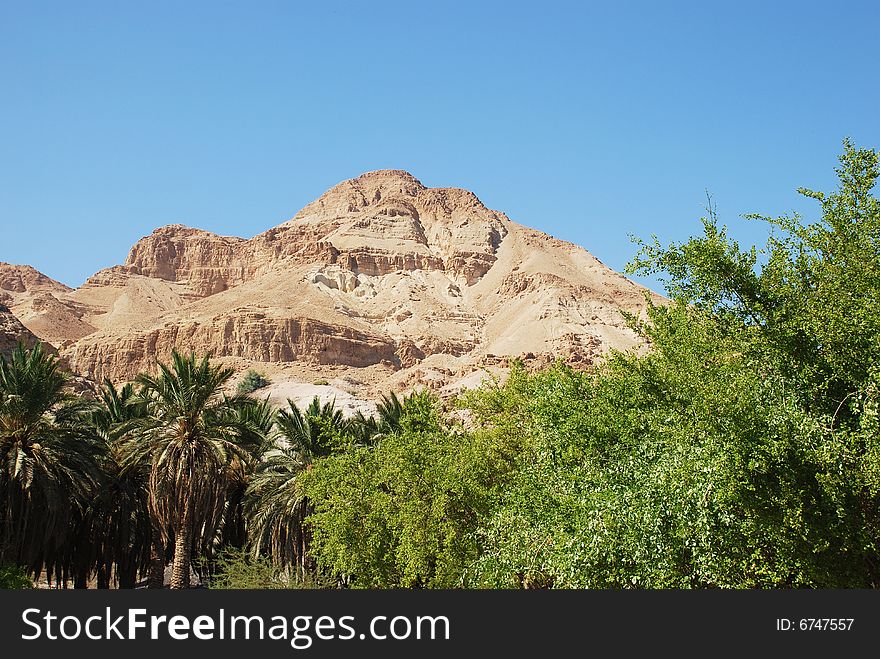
(12, 332)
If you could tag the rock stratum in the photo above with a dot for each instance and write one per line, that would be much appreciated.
(379, 283)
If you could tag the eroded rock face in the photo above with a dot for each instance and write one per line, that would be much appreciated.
(253, 336)
(378, 272)
(206, 262)
(387, 221)
(12, 332)
(39, 303)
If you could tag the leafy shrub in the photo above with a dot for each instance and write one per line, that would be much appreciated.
(321, 382)
(239, 570)
(251, 382)
(13, 577)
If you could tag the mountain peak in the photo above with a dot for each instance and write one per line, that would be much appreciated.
(367, 189)
(388, 187)
(24, 278)
(387, 175)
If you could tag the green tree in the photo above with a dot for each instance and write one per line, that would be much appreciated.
(49, 463)
(741, 451)
(255, 424)
(192, 437)
(276, 503)
(812, 307)
(117, 522)
(402, 512)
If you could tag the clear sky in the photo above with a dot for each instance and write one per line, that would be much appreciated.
(587, 120)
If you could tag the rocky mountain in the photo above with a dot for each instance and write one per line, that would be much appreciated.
(381, 283)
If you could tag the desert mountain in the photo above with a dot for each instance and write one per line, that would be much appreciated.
(381, 283)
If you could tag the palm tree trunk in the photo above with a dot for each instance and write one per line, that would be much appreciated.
(81, 579)
(103, 577)
(182, 548)
(127, 574)
(157, 563)
(302, 556)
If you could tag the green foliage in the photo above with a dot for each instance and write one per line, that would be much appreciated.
(13, 577)
(49, 457)
(238, 570)
(117, 519)
(275, 503)
(251, 382)
(814, 303)
(742, 451)
(690, 469)
(321, 382)
(193, 440)
(402, 512)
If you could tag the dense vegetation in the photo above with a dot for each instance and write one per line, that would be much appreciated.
(742, 450)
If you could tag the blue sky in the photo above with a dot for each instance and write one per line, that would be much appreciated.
(589, 121)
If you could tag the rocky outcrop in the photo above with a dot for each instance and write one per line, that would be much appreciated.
(377, 262)
(12, 332)
(206, 262)
(378, 223)
(36, 302)
(389, 221)
(54, 320)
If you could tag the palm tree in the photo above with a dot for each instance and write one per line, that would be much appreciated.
(119, 520)
(191, 436)
(276, 508)
(314, 432)
(368, 430)
(48, 462)
(255, 423)
(275, 504)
